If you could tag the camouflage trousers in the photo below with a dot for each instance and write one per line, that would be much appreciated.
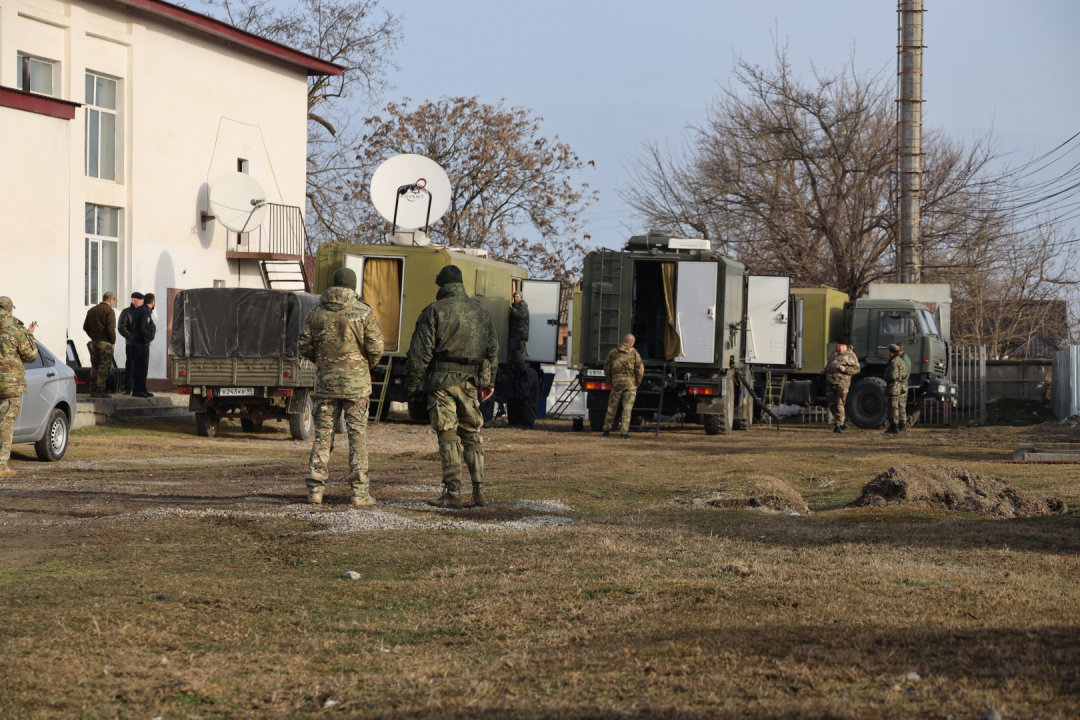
(626, 397)
(836, 398)
(898, 409)
(456, 418)
(327, 411)
(101, 360)
(9, 411)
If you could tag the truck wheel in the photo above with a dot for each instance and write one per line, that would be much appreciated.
(596, 419)
(302, 424)
(867, 404)
(249, 425)
(206, 425)
(53, 444)
(721, 423)
(418, 411)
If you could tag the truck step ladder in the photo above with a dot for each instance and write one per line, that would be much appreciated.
(774, 391)
(607, 295)
(379, 390)
(568, 395)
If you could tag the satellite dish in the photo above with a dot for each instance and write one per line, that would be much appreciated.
(238, 202)
(410, 191)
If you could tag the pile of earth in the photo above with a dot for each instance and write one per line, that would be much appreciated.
(755, 492)
(953, 488)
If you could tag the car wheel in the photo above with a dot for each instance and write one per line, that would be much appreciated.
(206, 425)
(53, 444)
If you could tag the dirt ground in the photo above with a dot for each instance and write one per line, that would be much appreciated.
(154, 573)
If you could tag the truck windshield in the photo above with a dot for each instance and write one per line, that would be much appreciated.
(926, 320)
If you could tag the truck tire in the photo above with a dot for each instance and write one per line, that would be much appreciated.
(302, 424)
(249, 425)
(596, 419)
(53, 444)
(206, 425)
(867, 404)
(721, 423)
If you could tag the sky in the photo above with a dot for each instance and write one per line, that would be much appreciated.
(609, 76)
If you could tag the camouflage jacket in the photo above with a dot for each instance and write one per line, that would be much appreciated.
(342, 337)
(519, 321)
(452, 334)
(896, 375)
(623, 367)
(16, 347)
(840, 368)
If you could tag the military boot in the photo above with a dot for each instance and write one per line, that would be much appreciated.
(903, 427)
(838, 429)
(478, 497)
(314, 495)
(607, 433)
(7, 472)
(474, 460)
(361, 498)
(449, 500)
(893, 430)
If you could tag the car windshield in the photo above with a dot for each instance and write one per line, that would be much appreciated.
(929, 327)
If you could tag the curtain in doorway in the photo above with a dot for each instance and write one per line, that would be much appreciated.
(382, 291)
(672, 341)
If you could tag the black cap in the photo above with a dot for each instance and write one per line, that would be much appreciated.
(136, 296)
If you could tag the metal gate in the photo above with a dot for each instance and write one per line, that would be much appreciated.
(967, 368)
(1065, 385)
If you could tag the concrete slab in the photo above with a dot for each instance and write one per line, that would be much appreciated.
(101, 411)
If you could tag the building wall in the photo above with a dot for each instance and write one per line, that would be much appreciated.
(188, 107)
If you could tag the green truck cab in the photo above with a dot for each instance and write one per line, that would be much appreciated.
(716, 340)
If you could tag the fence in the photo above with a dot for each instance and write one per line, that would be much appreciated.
(1066, 385)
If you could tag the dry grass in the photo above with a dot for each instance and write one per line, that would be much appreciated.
(625, 613)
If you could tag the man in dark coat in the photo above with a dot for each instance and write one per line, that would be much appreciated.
(453, 358)
(143, 330)
(100, 325)
(123, 327)
(519, 331)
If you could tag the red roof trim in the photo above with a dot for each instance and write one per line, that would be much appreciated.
(209, 25)
(40, 104)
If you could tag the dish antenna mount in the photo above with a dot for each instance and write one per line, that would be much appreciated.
(238, 202)
(410, 192)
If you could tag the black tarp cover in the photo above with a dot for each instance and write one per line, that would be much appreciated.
(238, 322)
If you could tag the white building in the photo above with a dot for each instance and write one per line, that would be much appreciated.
(115, 117)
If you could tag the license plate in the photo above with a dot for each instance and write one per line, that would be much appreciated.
(233, 392)
(594, 373)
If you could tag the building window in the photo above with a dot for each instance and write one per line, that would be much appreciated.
(102, 234)
(100, 127)
(35, 75)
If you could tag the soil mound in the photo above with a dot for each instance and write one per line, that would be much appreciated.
(953, 488)
(756, 492)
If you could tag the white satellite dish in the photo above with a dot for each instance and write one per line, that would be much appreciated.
(238, 202)
(411, 192)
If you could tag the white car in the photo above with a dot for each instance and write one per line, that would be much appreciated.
(48, 407)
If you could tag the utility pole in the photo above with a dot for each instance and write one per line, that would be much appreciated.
(909, 128)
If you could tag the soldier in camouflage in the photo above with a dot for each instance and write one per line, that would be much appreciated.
(839, 369)
(624, 371)
(100, 325)
(17, 346)
(896, 375)
(453, 356)
(519, 331)
(342, 337)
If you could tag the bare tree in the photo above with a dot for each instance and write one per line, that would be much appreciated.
(356, 34)
(511, 187)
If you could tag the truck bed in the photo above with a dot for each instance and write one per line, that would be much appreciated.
(243, 372)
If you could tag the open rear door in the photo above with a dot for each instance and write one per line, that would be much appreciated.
(767, 320)
(542, 297)
(695, 311)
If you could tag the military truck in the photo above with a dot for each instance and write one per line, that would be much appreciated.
(234, 351)
(398, 282)
(713, 337)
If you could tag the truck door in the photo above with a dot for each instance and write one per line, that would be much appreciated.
(542, 297)
(767, 320)
(695, 311)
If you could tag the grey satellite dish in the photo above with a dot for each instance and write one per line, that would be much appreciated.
(411, 192)
(238, 202)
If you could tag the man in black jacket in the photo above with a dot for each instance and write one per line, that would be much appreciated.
(123, 326)
(143, 330)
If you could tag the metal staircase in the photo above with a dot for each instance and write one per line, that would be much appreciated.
(380, 389)
(284, 275)
(774, 391)
(569, 394)
(607, 297)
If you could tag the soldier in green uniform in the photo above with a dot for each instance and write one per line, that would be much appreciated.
(17, 346)
(896, 375)
(342, 337)
(519, 331)
(842, 364)
(624, 371)
(100, 325)
(453, 356)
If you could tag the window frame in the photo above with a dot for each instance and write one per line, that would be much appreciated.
(95, 245)
(23, 67)
(93, 119)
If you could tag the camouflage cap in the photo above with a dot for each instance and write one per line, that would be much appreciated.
(894, 348)
(108, 296)
(5, 302)
(449, 274)
(345, 277)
